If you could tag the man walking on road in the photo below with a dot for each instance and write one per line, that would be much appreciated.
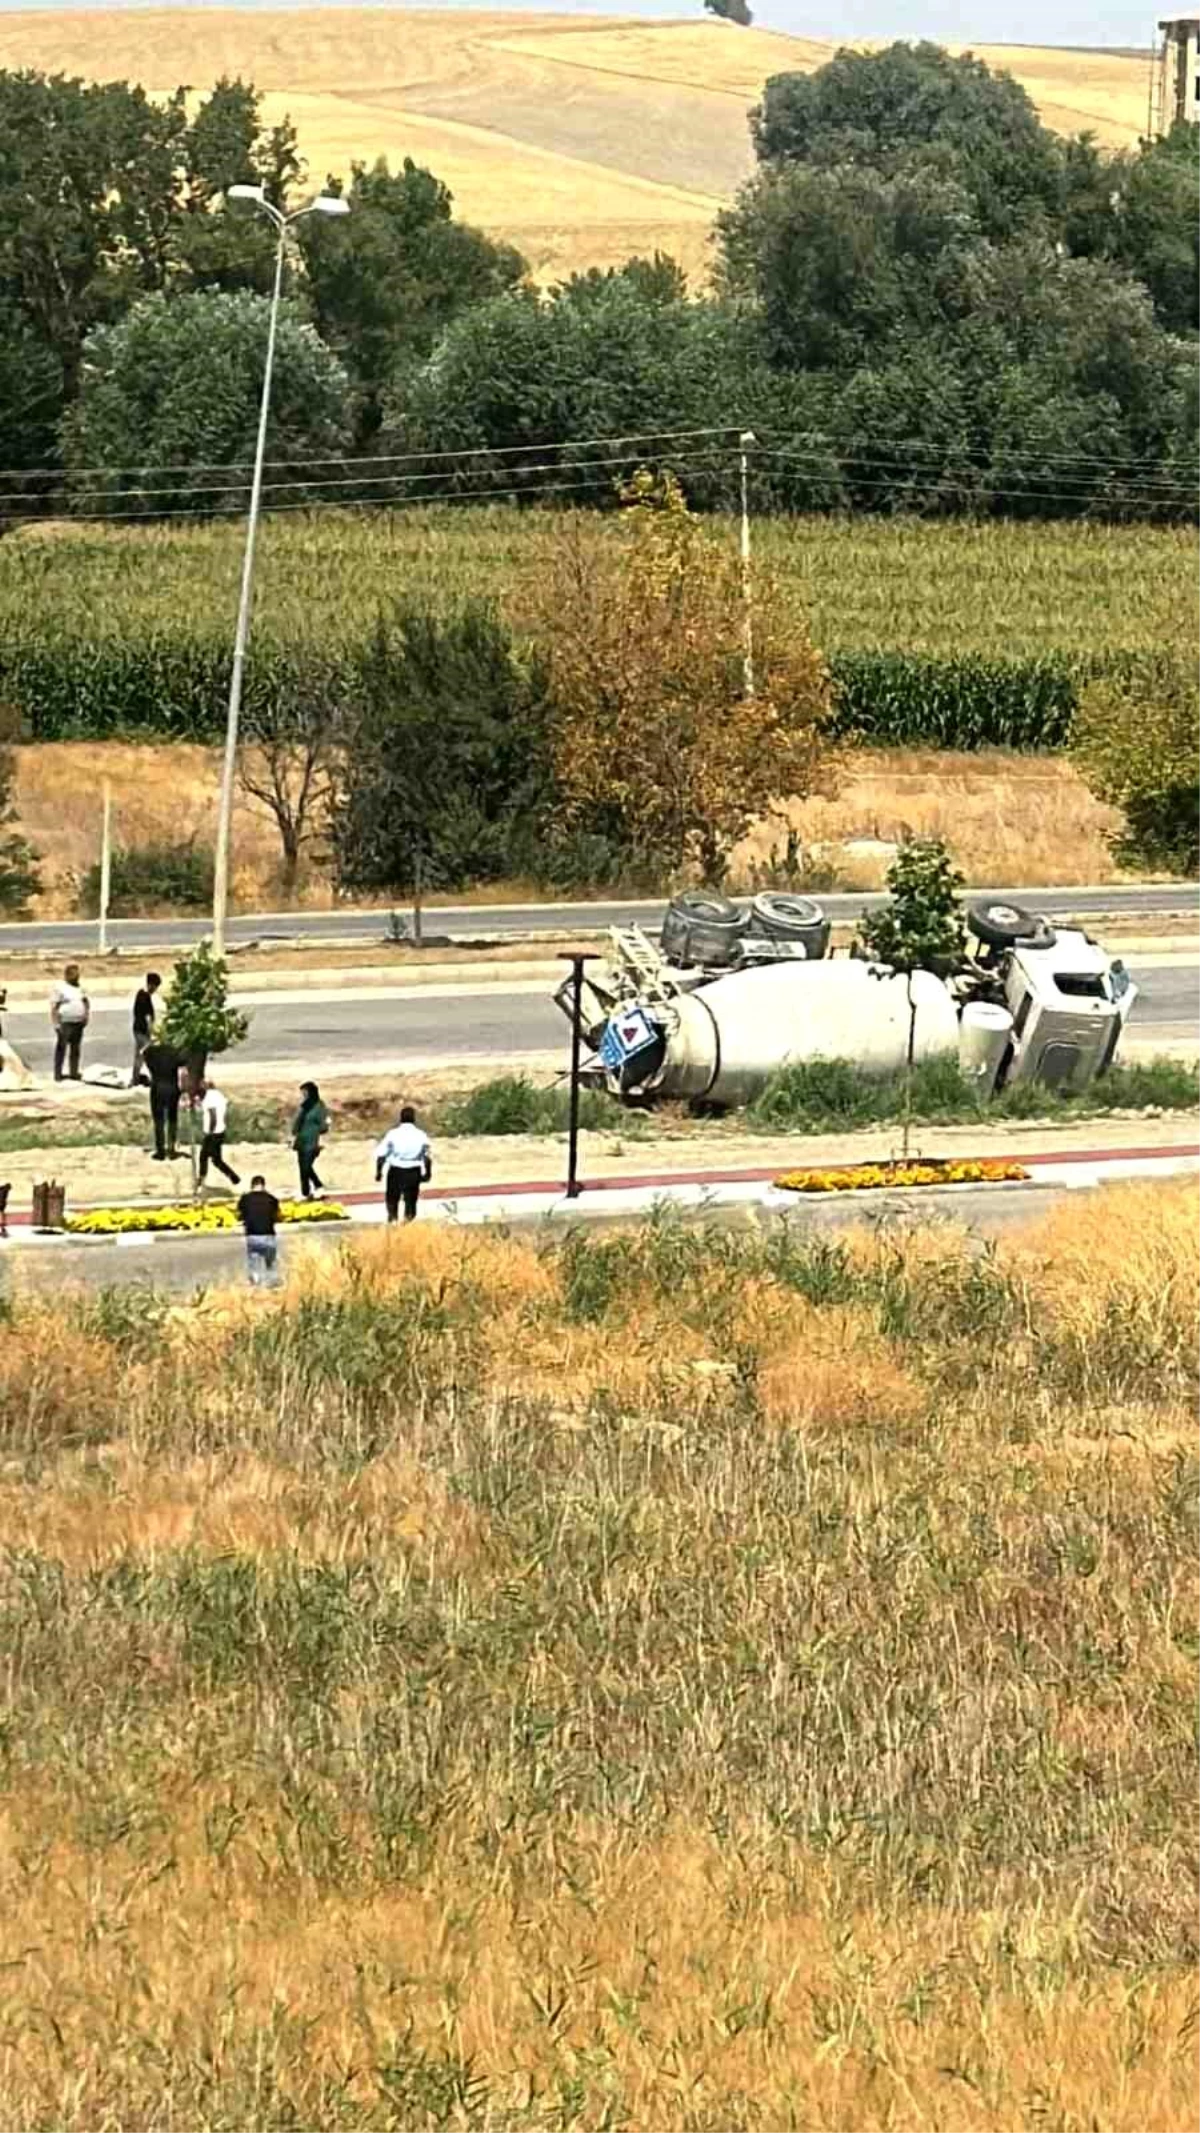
(163, 1063)
(405, 1155)
(143, 1024)
(258, 1211)
(69, 1011)
(214, 1114)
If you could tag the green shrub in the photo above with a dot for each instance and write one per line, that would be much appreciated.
(514, 1104)
(1136, 742)
(180, 875)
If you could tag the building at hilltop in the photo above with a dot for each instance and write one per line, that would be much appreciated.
(1175, 75)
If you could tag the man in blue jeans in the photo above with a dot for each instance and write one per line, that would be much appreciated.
(258, 1211)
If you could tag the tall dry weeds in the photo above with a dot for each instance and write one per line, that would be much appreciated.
(673, 1679)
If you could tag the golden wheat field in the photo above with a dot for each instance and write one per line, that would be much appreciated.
(707, 1680)
(581, 140)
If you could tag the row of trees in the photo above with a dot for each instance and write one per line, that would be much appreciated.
(111, 215)
(617, 742)
(923, 299)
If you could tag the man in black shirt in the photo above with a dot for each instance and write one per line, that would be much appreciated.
(143, 1024)
(163, 1063)
(258, 1211)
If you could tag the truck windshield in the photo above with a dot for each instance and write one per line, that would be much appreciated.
(1081, 985)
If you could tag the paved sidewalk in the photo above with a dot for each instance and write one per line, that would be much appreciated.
(516, 1167)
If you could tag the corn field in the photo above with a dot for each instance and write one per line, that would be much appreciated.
(958, 635)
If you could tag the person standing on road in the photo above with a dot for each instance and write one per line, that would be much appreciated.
(310, 1123)
(406, 1156)
(69, 1012)
(164, 1064)
(143, 1024)
(258, 1212)
(214, 1117)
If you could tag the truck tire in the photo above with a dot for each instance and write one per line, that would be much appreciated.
(1003, 925)
(778, 915)
(702, 929)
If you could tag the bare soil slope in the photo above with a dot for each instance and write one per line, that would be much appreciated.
(580, 140)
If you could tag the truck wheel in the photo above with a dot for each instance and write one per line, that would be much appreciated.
(702, 928)
(778, 915)
(1001, 925)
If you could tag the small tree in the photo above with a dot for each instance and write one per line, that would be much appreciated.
(287, 765)
(921, 929)
(197, 1018)
(18, 860)
(653, 727)
(444, 753)
(1135, 743)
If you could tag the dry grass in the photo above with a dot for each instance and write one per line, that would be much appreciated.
(676, 1680)
(1006, 818)
(580, 140)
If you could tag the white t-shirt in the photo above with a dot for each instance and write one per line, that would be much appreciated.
(216, 1111)
(69, 1002)
(404, 1148)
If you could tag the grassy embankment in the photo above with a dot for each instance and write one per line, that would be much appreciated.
(1001, 591)
(827, 1097)
(663, 1679)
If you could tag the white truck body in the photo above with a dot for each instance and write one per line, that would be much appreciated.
(1049, 1010)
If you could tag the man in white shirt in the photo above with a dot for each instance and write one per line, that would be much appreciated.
(404, 1159)
(69, 1011)
(214, 1114)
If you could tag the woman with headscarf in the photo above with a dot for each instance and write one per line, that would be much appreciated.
(310, 1122)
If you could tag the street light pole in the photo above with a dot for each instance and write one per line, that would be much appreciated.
(325, 204)
(746, 440)
(577, 962)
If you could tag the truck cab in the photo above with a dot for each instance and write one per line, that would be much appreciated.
(1069, 1003)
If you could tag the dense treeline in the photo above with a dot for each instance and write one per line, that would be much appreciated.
(923, 300)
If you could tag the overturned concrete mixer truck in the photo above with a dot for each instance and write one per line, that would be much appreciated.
(733, 993)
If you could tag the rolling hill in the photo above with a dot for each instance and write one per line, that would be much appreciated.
(581, 139)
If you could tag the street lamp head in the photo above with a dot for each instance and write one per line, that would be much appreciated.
(747, 438)
(246, 192)
(330, 204)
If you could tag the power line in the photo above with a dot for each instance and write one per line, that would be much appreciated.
(349, 481)
(329, 503)
(317, 459)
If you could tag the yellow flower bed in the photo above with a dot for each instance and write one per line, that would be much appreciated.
(931, 1170)
(202, 1221)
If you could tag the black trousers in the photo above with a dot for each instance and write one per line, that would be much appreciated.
(164, 1110)
(306, 1159)
(68, 1042)
(212, 1150)
(402, 1184)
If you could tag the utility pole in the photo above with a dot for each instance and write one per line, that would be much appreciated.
(746, 441)
(105, 865)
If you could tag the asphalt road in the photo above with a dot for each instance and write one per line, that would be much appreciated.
(342, 1031)
(476, 921)
(184, 1265)
(419, 1027)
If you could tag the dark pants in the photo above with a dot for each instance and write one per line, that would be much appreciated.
(164, 1110)
(309, 1181)
(212, 1150)
(68, 1042)
(402, 1184)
